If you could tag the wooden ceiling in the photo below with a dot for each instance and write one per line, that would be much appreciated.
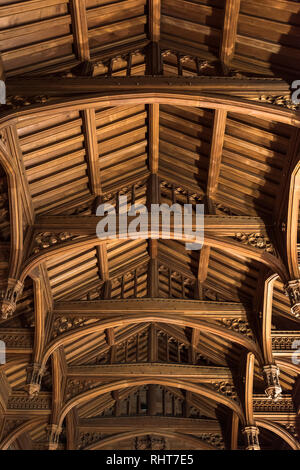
(162, 101)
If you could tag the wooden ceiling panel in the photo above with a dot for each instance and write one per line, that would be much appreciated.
(54, 159)
(233, 278)
(268, 38)
(16, 375)
(116, 24)
(184, 146)
(126, 254)
(197, 25)
(254, 154)
(66, 273)
(33, 33)
(122, 140)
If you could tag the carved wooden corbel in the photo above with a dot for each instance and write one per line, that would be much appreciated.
(271, 374)
(251, 437)
(34, 379)
(9, 297)
(292, 290)
(54, 432)
(250, 431)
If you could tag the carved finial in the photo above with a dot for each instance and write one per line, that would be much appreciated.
(9, 297)
(54, 431)
(292, 290)
(34, 379)
(271, 375)
(251, 437)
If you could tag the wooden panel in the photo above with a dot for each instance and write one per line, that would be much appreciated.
(32, 33)
(194, 24)
(253, 158)
(269, 38)
(185, 145)
(54, 158)
(122, 145)
(116, 23)
(66, 273)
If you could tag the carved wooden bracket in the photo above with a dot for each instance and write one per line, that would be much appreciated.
(9, 297)
(34, 379)
(251, 437)
(54, 432)
(292, 290)
(271, 374)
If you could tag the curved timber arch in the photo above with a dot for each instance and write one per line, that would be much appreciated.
(292, 223)
(175, 98)
(177, 383)
(8, 440)
(279, 431)
(201, 445)
(180, 320)
(15, 212)
(230, 246)
(267, 319)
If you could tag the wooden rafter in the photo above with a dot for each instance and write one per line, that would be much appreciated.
(212, 185)
(79, 21)
(89, 128)
(17, 157)
(154, 138)
(231, 17)
(154, 20)
(216, 151)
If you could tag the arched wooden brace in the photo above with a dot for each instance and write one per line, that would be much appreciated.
(292, 223)
(14, 286)
(180, 320)
(94, 99)
(292, 287)
(270, 370)
(27, 426)
(287, 365)
(250, 430)
(177, 383)
(230, 246)
(197, 442)
(279, 431)
(58, 379)
(36, 371)
(249, 375)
